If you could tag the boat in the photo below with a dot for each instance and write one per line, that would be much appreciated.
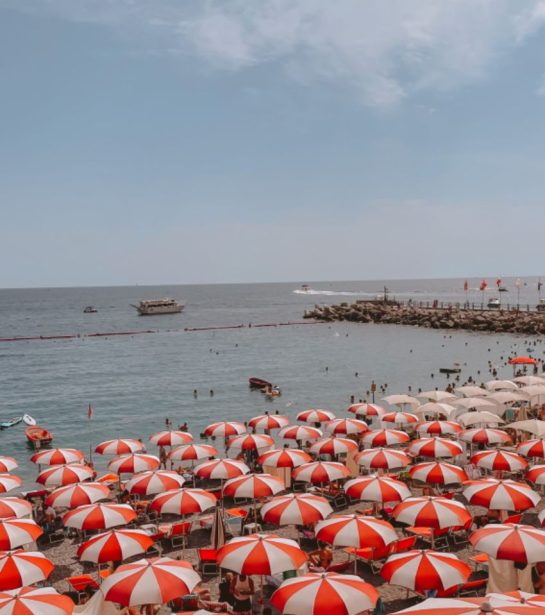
(493, 303)
(540, 307)
(259, 383)
(90, 310)
(10, 422)
(38, 436)
(455, 369)
(502, 289)
(153, 307)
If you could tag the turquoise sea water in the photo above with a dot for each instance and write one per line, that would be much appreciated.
(135, 382)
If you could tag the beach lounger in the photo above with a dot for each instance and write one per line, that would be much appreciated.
(403, 544)
(374, 558)
(472, 588)
(208, 561)
(178, 534)
(81, 583)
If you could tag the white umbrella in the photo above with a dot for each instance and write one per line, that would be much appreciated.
(533, 426)
(508, 397)
(471, 390)
(501, 385)
(474, 402)
(529, 380)
(401, 400)
(477, 418)
(437, 396)
(434, 408)
(533, 390)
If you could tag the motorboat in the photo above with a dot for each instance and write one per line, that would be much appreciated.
(154, 307)
(493, 303)
(38, 436)
(259, 383)
(455, 369)
(540, 307)
(90, 310)
(502, 289)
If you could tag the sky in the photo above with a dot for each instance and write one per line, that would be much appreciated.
(185, 141)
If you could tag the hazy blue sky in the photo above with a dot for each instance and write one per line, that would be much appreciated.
(155, 141)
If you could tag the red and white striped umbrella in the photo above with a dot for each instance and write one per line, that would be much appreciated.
(346, 426)
(535, 474)
(253, 486)
(325, 594)
(269, 421)
(77, 494)
(57, 457)
(296, 509)
(56, 476)
(399, 418)
(284, 458)
(9, 482)
(150, 581)
(438, 473)
(221, 469)
(18, 532)
(300, 432)
(500, 494)
(192, 452)
(225, 429)
(532, 448)
(7, 464)
(250, 442)
(319, 472)
(99, 516)
(469, 606)
(171, 438)
(35, 601)
(14, 507)
(435, 447)
(385, 437)
(183, 502)
(315, 416)
(263, 554)
(439, 428)
(18, 568)
(434, 512)
(334, 446)
(119, 446)
(482, 435)
(156, 481)
(377, 489)
(367, 410)
(515, 598)
(425, 570)
(382, 459)
(133, 463)
(502, 461)
(114, 546)
(518, 543)
(355, 531)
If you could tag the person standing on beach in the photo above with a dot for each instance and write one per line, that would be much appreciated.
(242, 588)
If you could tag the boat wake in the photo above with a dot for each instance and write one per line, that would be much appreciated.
(333, 293)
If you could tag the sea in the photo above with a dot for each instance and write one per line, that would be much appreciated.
(134, 382)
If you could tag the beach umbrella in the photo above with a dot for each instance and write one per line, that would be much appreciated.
(534, 390)
(382, 458)
(55, 476)
(18, 532)
(192, 452)
(114, 546)
(401, 400)
(315, 416)
(250, 442)
(471, 390)
(19, 568)
(434, 408)
(498, 460)
(529, 380)
(355, 531)
(375, 488)
(522, 360)
(334, 446)
(99, 516)
(438, 473)
(221, 469)
(296, 509)
(483, 435)
(300, 432)
(134, 463)
(477, 403)
(437, 396)
(284, 458)
(119, 446)
(225, 429)
(35, 601)
(324, 593)
(399, 418)
(263, 554)
(533, 426)
(156, 580)
(155, 481)
(183, 502)
(9, 482)
(435, 447)
(346, 426)
(516, 597)
(459, 606)
(7, 464)
(367, 410)
(433, 512)
(508, 397)
(57, 457)
(253, 486)
(77, 494)
(482, 417)
(269, 421)
(438, 428)
(425, 570)
(510, 541)
(501, 385)
(385, 437)
(14, 507)
(497, 494)
(535, 474)
(320, 472)
(171, 438)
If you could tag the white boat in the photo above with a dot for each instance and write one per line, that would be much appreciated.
(540, 307)
(152, 307)
(494, 303)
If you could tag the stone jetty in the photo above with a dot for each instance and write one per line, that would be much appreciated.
(454, 317)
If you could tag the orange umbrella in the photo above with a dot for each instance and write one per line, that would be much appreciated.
(18, 568)
(120, 446)
(17, 532)
(522, 361)
(7, 464)
(320, 472)
(14, 507)
(284, 458)
(9, 482)
(171, 438)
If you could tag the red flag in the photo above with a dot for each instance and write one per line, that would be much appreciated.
(498, 282)
(466, 285)
(483, 285)
(90, 412)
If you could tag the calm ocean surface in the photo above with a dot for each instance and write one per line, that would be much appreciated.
(135, 382)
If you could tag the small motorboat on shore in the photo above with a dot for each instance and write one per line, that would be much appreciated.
(38, 436)
(10, 422)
